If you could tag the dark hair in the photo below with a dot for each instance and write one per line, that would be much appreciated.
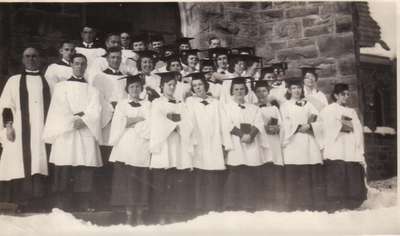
(338, 89)
(169, 62)
(205, 83)
(78, 55)
(66, 42)
(113, 49)
(245, 87)
(127, 85)
(233, 61)
(289, 95)
(163, 81)
(313, 73)
(186, 56)
(139, 62)
(109, 35)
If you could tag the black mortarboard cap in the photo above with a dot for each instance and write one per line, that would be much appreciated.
(183, 40)
(196, 75)
(244, 50)
(280, 66)
(305, 69)
(293, 81)
(189, 52)
(261, 83)
(206, 62)
(139, 38)
(156, 37)
(147, 53)
(169, 75)
(130, 79)
(265, 70)
(215, 52)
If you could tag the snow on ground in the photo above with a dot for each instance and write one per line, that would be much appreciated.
(378, 215)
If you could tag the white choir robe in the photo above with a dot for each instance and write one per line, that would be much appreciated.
(91, 53)
(57, 72)
(112, 89)
(100, 64)
(226, 96)
(182, 88)
(240, 153)
(338, 145)
(11, 161)
(72, 147)
(273, 151)
(299, 148)
(131, 145)
(170, 142)
(208, 136)
(215, 89)
(278, 93)
(316, 97)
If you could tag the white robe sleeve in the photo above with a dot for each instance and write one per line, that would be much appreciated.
(92, 117)
(118, 123)
(161, 127)
(107, 109)
(289, 124)
(51, 77)
(60, 118)
(7, 100)
(227, 125)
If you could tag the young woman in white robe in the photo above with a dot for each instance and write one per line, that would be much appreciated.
(311, 92)
(182, 90)
(237, 68)
(171, 164)
(73, 127)
(130, 135)
(215, 86)
(301, 151)
(277, 92)
(145, 65)
(272, 190)
(190, 61)
(204, 112)
(243, 122)
(343, 153)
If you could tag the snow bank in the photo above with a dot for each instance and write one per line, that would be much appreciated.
(367, 129)
(378, 215)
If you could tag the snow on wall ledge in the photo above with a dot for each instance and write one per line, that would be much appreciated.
(378, 215)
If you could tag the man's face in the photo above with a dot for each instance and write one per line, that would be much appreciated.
(125, 40)
(88, 35)
(114, 60)
(113, 41)
(156, 45)
(222, 61)
(184, 46)
(67, 50)
(30, 59)
(79, 65)
(215, 43)
(139, 46)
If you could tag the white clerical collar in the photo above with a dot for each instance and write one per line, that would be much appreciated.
(32, 71)
(75, 77)
(88, 44)
(114, 71)
(65, 61)
(223, 71)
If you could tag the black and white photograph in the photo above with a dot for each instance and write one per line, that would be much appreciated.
(199, 118)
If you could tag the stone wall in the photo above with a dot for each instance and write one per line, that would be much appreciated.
(318, 33)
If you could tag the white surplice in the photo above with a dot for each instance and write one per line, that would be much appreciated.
(273, 151)
(298, 148)
(339, 145)
(316, 97)
(226, 97)
(131, 144)
(91, 53)
(57, 72)
(70, 146)
(240, 153)
(11, 161)
(277, 93)
(170, 142)
(112, 89)
(208, 136)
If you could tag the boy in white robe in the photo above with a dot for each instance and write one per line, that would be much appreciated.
(301, 151)
(23, 164)
(311, 92)
(61, 70)
(277, 86)
(89, 47)
(343, 153)
(73, 127)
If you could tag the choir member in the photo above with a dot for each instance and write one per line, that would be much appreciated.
(99, 64)
(214, 42)
(237, 67)
(130, 135)
(61, 70)
(204, 113)
(343, 153)
(171, 164)
(73, 127)
(89, 47)
(125, 41)
(271, 175)
(277, 87)
(24, 104)
(189, 60)
(301, 151)
(130, 63)
(220, 55)
(243, 122)
(152, 82)
(182, 90)
(215, 86)
(139, 43)
(156, 43)
(183, 43)
(311, 92)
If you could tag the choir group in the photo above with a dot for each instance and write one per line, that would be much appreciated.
(170, 134)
